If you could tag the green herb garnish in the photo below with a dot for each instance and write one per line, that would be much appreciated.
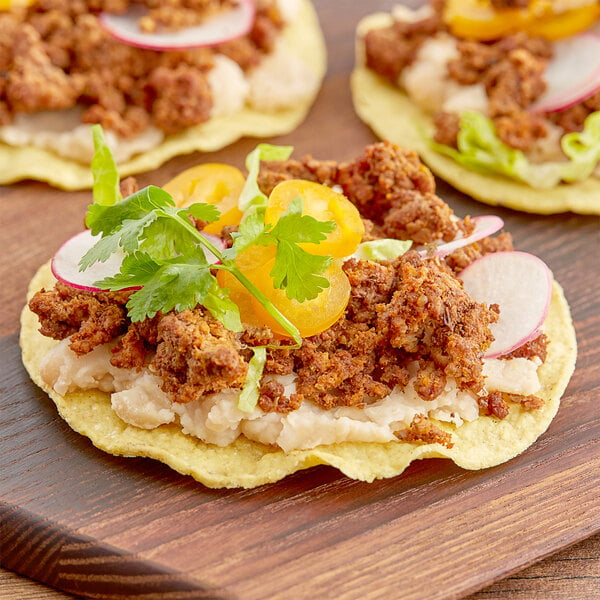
(165, 252)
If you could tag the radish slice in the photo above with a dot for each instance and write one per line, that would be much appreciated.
(484, 226)
(65, 263)
(225, 26)
(217, 242)
(573, 74)
(521, 285)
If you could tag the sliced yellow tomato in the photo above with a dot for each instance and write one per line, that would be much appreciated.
(477, 19)
(324, 204)
(248, 262)
(212, 183)
(566, 24)
(8, 4)
(310, 317)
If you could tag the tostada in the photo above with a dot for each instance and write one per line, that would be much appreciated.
(241, 327)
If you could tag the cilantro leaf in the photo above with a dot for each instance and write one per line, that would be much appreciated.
(164, 253)
(295, 227)
(296, 272)
(203, 212)
(173, 284)
(249, 232)
(147, 220)
(222, 308)
(137, 269)
(251, 193)
(100, 252)
(106, 219)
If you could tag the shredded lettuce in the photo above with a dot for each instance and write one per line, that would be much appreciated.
(251, 194)
(106, 190)
(249, 394)
(384, 249)
(583, 148)
(480, 149)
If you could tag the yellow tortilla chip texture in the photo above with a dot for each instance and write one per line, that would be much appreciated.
(482, 443)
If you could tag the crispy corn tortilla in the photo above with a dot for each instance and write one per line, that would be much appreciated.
(482, 443)
(303, 36)
(392, 116)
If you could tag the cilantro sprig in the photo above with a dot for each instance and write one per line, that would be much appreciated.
(165, 253)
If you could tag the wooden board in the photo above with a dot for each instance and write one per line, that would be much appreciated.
(100, 526)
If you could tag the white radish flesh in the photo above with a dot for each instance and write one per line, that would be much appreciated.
(521, 285)
(573, 74)
(65, 263)
(484, 226)
(220, 28)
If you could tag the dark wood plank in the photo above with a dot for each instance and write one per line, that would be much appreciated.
(76, 517)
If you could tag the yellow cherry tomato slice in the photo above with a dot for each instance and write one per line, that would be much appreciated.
(566, 24)
(8, 4)
(212, 183)
(324, 204)
(248, 261)
(310, 317)
(477, 19)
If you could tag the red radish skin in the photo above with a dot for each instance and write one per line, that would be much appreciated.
(521, 284)
(573, 74)
(226, 26)
(484, 226)
(65, 263)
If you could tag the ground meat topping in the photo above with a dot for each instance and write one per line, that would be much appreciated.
(391, 187)
(512, 71)
(496, 404)
(196, 355)
(422, 430)
(431, 316)
(272, 398)
(572, 119)
(178, 14)
(390, 49)
(447, 127)
(307, 168)
(182, 97)
(57, 56)
(134, 349)
(90, 318)
(537, 347)
(493, 405)
(463, 257)
(476, 59)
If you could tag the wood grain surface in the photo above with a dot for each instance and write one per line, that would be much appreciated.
(97, 526)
